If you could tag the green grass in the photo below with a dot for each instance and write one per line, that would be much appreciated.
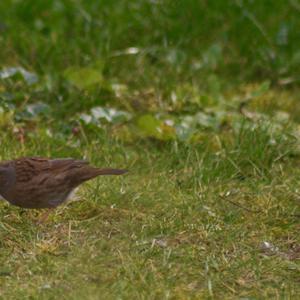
(183, 223)
(200, 101)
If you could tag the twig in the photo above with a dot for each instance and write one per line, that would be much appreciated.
(241, 206)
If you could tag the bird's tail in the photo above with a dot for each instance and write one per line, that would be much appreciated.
(85, 173)
(109, 171)
(91, 172)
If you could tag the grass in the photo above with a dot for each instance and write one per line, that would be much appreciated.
(176, 226)
(200, 102)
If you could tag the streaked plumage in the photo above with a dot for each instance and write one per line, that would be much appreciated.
(45, 183)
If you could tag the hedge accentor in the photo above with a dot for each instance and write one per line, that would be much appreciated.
(45, 183)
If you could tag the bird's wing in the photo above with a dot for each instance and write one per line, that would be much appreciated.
(66, 163)
(28, 168)
(32, 167)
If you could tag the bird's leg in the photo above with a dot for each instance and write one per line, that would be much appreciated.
(44, 216)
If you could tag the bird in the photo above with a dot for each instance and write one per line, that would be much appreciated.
(36, 182)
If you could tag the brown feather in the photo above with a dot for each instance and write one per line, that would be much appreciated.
(45, 183)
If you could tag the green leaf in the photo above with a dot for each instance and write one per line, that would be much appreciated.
(152, 127)
(83, 78)
(149, 125)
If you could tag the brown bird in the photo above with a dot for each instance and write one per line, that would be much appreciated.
(45, 183)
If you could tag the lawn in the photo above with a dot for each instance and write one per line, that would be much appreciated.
(200, 101)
